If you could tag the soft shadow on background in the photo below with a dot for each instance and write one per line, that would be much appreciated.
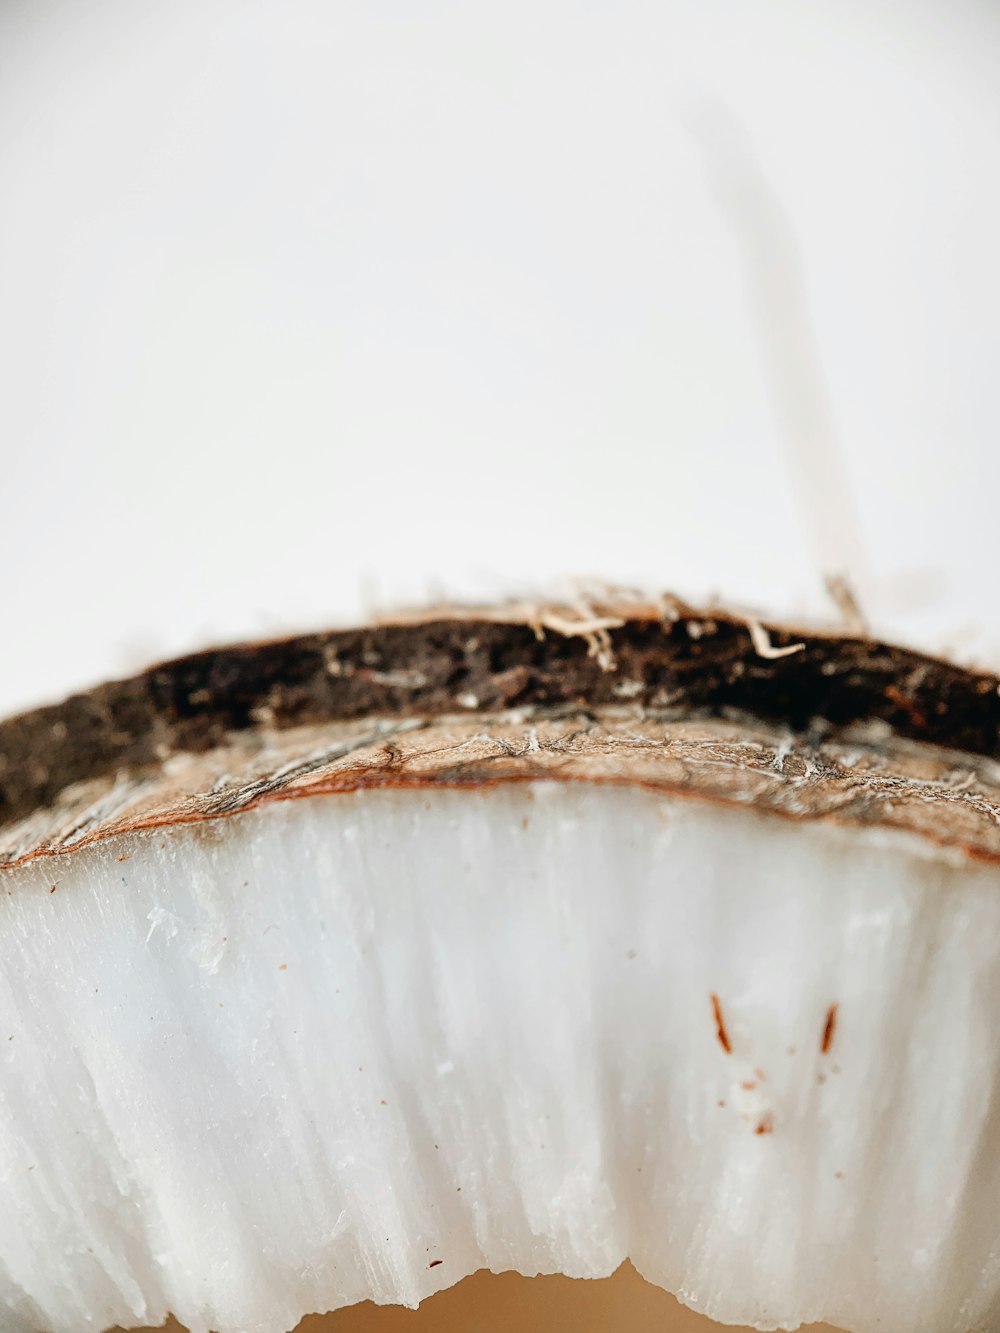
(508, 1303)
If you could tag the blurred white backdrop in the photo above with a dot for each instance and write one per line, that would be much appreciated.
(307, 308)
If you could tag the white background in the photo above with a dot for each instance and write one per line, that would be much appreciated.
(312, 308)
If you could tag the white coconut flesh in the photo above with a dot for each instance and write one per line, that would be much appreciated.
(361, 1044)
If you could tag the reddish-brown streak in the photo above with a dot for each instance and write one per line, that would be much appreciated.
(750, 1085)
(353, 780)
(896, 696)
(830, 1027)
(434, 1263)
(720, 1025)
(765, 1125)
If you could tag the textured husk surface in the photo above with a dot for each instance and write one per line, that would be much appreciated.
(704, 703)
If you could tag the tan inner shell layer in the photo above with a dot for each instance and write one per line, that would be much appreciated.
(865, 777)
(502, 1302)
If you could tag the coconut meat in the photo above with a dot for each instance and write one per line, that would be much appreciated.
(357, 1046)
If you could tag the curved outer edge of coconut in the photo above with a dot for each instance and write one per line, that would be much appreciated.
(707, 703)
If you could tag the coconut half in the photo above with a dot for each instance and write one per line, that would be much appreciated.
(338, 968)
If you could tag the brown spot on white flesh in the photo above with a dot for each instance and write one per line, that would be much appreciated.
(720, 1025)
(829, 1029)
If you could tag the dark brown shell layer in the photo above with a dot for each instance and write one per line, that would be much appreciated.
(702, 703)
